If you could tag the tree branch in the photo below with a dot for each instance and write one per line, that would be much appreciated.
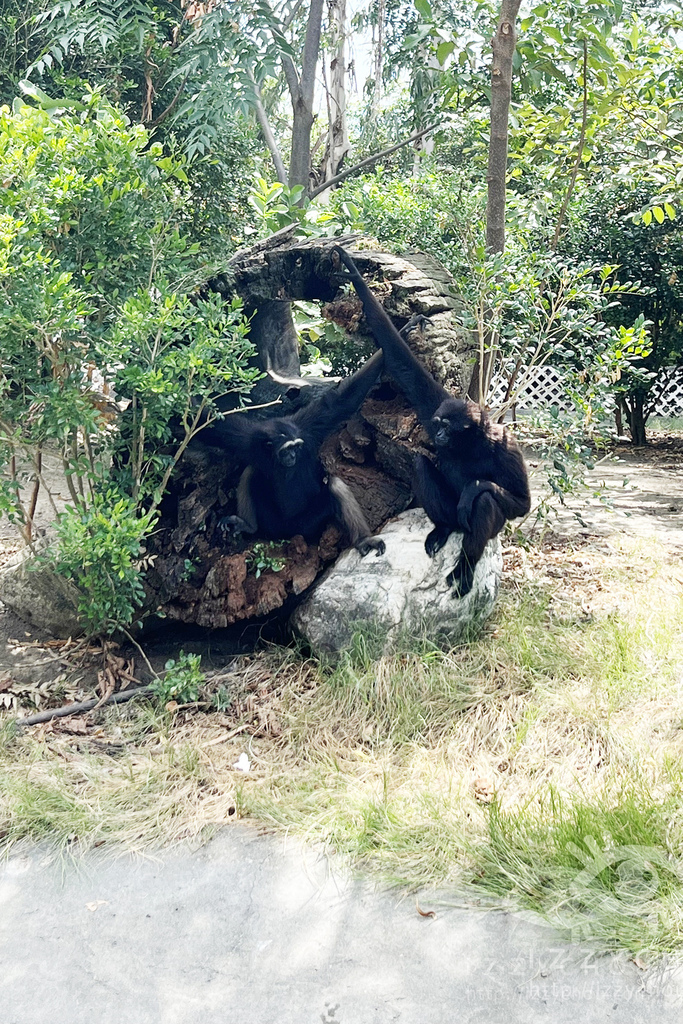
(171, 107)
(372, 159)
(85, 705)
(267, 132)
(292, 15)
(292, 77)
(290, 72)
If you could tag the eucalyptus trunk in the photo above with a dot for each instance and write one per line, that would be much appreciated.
(338, 144)
(302, 89)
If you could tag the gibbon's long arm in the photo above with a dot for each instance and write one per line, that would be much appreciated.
(317, 420)
(417, 384)
(322, 417)
(511, 505)
(233, 432)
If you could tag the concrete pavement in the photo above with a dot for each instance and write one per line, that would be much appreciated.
(252, 930)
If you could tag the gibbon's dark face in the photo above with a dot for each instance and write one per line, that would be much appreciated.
(282, 442)
(453, 420)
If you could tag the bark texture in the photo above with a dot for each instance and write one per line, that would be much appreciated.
(301, 90)
(503, 45)
(338, 144)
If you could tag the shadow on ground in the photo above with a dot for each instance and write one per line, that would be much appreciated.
(248, 930)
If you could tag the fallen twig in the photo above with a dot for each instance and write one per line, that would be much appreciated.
(228, 736)
(84, 705)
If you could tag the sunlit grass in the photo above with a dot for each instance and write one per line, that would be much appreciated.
(502, 765)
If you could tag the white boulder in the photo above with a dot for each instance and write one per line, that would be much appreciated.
(402, 592)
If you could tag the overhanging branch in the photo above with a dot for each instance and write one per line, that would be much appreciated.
(371, 160)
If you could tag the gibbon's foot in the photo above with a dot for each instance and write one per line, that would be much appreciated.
(232, 524)
(368, 544)
(416, 322)
(436, 539)
(461, 578)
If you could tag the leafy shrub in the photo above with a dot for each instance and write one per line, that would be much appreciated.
(182, 681)
(99, 551)
(109, 357)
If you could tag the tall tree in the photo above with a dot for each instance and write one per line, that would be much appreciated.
(503, 45)
(301, 85)
(338, 143)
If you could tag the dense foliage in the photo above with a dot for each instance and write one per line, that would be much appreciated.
(105, 347)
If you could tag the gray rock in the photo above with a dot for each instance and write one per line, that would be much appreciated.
(35, 593)
(403, 592)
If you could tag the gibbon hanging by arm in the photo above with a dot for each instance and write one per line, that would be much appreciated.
(284, 489)
(479, 479)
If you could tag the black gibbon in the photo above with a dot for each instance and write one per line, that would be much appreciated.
(284, 489)
(479, 479)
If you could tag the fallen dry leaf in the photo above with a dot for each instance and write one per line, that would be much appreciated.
(74, 726)
(424, 913)
(483, 791)
(96, 904)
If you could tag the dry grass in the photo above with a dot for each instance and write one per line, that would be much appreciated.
(505, 763)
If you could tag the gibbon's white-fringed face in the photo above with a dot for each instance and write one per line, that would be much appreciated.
(282, 441)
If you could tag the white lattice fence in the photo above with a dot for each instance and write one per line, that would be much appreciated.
(545, 387)
(670, 402)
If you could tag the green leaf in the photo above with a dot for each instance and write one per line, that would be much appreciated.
(670, 211)
(415, 38)
(422, 7)
(658, 214)
(443, 51)
(554, 33)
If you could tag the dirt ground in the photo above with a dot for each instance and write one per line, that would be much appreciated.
(642, 496)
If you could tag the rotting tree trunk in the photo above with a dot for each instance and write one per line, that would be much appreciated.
(274, 335)
(199, 577)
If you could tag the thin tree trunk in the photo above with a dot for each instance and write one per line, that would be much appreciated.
(378, 62)
(618, 417)
(302, 98)
(503, 44)
(338, 145)
(637, 419)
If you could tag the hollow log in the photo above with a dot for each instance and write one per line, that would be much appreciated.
(200, 577)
